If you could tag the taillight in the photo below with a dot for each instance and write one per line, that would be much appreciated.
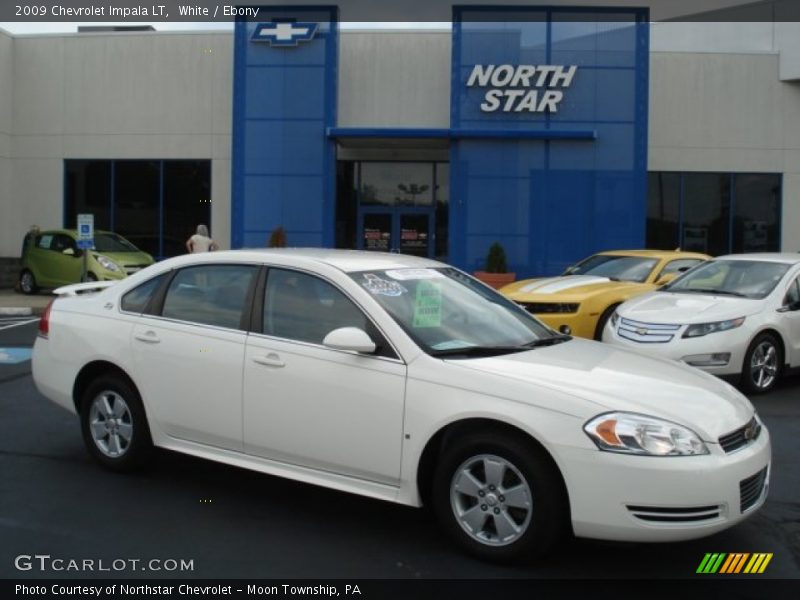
(44, 322)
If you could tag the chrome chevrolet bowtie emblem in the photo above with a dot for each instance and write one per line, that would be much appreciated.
(641, 331)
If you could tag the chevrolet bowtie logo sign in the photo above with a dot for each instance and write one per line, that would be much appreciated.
(284, 34)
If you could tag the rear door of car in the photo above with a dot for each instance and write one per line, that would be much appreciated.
(310, 405)
(188, 352)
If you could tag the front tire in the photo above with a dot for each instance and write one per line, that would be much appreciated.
(114, 425)
(27, 282)
(762, 364)
(499, 497)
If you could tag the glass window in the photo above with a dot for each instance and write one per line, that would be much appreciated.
(793, 294)
(742, 278)
(136, 196)
(111, 242)
(62, 242)
(449, 313)
(679, 266)
(88, 190)
(209, 294)
(305, 308)
(187, 202)
(756, 219)
(44, 241)
(615, 267)
(706, 213)
(442, 197)
(663, 210)
(137, 299)
(396, 184)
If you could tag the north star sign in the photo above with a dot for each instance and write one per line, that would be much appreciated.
(522, 88)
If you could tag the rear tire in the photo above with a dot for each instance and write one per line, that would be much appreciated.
(114, 425)
(27, 282)
(763, 363)
(499, 497)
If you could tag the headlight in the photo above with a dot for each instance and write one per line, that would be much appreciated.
(106, 262)
(705, 328)
(630, 433)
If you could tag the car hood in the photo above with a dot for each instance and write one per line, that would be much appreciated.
(683, 309)
(566, 286)
(609, 378)
(127, 258)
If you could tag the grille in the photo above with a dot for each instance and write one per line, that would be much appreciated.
(539, 308)
(741, 437)
(670, 514)
(646, 333)
(750, 489)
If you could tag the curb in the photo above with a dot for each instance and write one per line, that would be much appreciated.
(16, 311)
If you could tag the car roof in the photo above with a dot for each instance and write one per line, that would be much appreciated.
(657, 253)
(780, 257)
(348, 261)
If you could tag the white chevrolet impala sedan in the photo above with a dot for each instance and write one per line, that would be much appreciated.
(406, 380)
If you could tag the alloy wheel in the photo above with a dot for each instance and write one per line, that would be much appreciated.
(764, 365)
(111, 424)
(491, 500)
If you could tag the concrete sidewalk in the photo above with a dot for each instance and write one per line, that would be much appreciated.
(15, 304)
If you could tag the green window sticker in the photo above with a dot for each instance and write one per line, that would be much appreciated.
(428, 305)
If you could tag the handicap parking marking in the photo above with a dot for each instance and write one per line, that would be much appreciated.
(14, 356)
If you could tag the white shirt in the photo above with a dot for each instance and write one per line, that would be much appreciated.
(200, 243)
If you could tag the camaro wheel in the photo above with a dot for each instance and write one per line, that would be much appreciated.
(499, 497)
(113, 423)
(601, 322)
(27, 282)
(762, 364)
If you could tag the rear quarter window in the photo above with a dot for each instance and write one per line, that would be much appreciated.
(138, 298)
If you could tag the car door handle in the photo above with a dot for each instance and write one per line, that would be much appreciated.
(269, 360)
(149, 337)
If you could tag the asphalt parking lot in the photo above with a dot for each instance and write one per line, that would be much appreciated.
(234, 523)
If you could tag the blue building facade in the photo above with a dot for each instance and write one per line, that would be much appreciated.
(547, 139)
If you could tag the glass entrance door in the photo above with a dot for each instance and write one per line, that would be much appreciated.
(402, 230)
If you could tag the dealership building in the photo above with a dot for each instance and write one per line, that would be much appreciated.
(555, 131)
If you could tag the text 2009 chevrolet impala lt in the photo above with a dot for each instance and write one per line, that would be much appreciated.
(406, 380)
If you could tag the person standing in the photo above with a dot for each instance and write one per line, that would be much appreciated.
(201, 241)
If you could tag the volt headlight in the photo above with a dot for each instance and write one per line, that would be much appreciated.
(702, 329)
(106, 262)
(629, 433)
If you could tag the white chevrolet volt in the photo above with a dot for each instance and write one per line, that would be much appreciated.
(406, 380)
(736, 316)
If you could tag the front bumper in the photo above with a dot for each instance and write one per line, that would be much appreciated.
(580, 324)
(653, 499)
(733, 342)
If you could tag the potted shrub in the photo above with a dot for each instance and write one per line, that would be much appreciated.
(277, 238)
(496, 273)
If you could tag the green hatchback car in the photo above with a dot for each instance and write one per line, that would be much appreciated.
(52, 258)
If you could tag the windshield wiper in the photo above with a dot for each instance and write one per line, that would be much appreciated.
(710, 291)
(496, 350)
(478, 351)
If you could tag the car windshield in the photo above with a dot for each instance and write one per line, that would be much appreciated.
(742, 278)
(111, 242)
(448, 313)
(616, 268)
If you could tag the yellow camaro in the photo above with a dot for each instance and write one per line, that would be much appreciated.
(581, 300)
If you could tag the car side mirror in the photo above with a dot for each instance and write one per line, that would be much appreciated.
(350, 338)
(793, 307)
(68, 251)
(665, 279)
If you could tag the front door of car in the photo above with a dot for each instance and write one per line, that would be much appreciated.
(65, 260)
(313, 406)
(790, 318)
(188, 357)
